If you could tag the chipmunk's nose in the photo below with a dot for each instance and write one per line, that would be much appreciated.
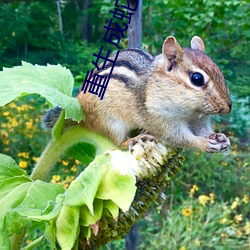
(227, 108)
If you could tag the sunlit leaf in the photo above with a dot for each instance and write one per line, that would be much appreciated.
(39, 194)
(53, 82)
(83, 189)
(67, 225)
(9, 184)
(118, 188)
(9, 168)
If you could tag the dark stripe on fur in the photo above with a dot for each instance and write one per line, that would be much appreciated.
(143, 53)
(128, 65)
(119, 77)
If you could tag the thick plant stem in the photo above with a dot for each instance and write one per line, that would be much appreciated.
(57, 147)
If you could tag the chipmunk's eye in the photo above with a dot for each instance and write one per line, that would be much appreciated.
(197, 79)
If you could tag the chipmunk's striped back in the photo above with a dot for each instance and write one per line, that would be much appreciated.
(131, 64)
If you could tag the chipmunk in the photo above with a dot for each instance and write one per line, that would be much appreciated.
(170, 96)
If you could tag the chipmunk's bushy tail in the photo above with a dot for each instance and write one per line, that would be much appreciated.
(50, 117)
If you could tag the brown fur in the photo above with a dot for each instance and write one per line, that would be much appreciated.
(156, 95)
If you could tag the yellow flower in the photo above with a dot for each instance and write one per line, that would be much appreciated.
(24, 154)
(197, 242)
(247, 227)
(70, 178)
(55, 178)
(6, 113)
(65, 185)
(6, 149)
(4, 134)
(238, 233)
(238, 159)
(23, 107)
(235, 203)
(234, 152)
(211, 195)
(65, 163)
(73, 168)
(238, 218)
(77, 162)
(182, 248)
(193, 190)
(29, 124)
(187, 211)
(203, 199)
(14, 123)
(35, 159)
(224, 164)
(12, 105)
(223, 221)
(245, 199)
(6, 141)
(223, 235)
(23, 164)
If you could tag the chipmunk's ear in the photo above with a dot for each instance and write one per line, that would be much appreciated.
(197, 43)
(172, 50)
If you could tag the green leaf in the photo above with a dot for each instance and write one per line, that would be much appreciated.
(50, 234)
(14, 223)
(19, 197)
(46, 216)
(26, 202)
(39, 194)
(118, 188)
(86, 218)
(6, 186)
(11, 200)
(9, 168)
(67, 226)
(83, 152)
(101, 180)
(112, 208)
(86, 231)
(58, 127)
(83, 189)
(14, 198)
(4, 240)
(53, 82)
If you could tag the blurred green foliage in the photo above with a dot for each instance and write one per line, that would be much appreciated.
(30, 31)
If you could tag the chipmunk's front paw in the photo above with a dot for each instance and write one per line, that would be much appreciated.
(218, 142)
